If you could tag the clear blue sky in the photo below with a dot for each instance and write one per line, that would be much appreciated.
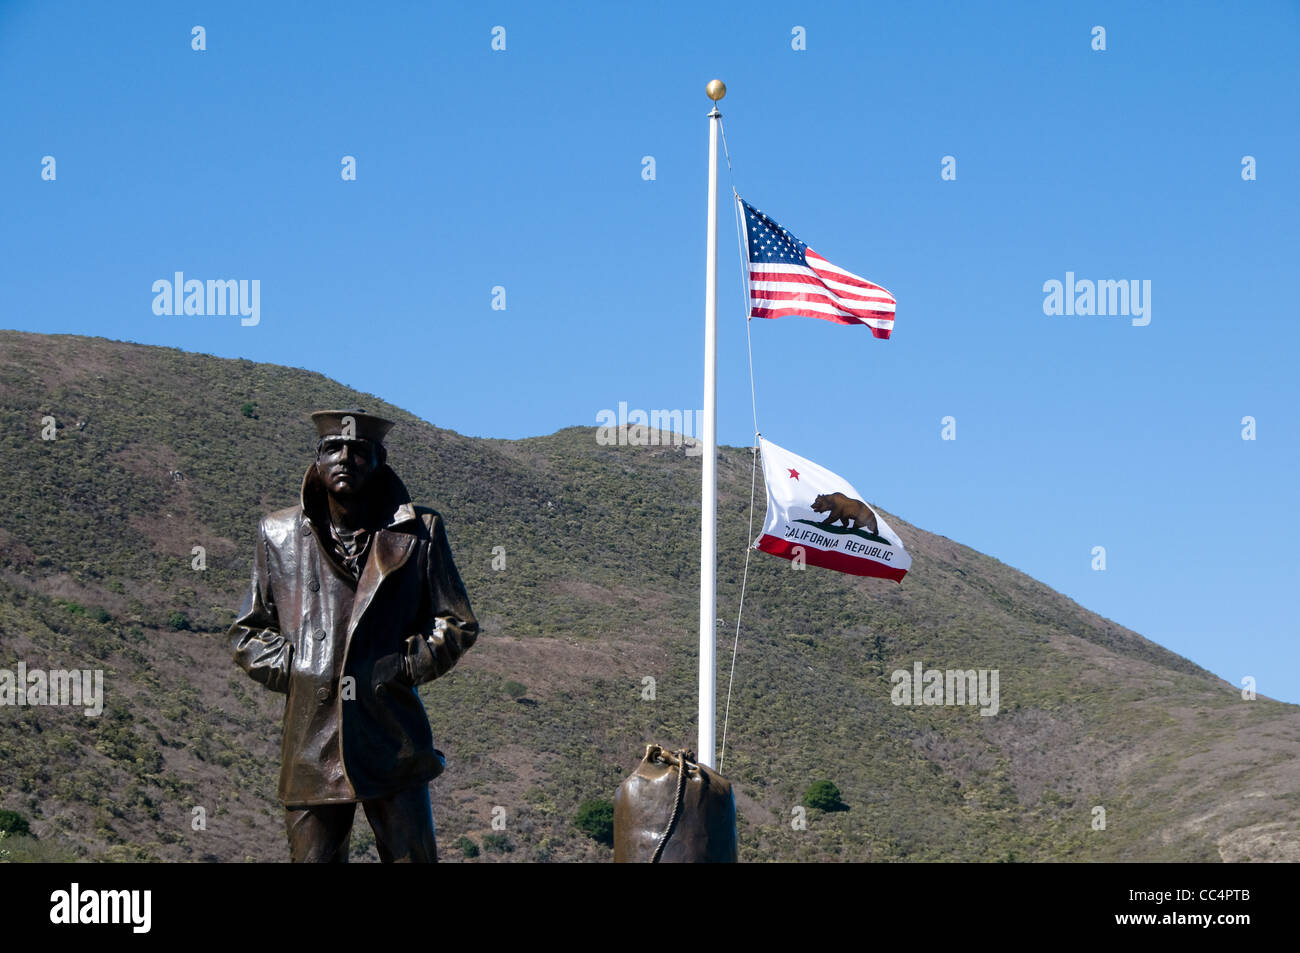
(523, 169)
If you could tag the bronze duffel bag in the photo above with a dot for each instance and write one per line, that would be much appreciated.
(674, 811)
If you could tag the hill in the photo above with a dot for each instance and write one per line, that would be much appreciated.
(158, 451)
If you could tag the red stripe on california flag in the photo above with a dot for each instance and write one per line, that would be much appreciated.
(853, 565)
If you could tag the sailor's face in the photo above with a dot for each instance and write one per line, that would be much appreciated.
(345, 466)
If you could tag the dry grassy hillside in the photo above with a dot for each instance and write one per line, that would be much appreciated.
(97, 533)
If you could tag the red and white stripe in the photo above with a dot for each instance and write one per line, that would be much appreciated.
(829, 559)
(819, 290)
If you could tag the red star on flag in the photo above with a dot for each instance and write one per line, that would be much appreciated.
(794, 474)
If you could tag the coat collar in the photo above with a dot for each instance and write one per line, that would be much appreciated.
(392, 498)
(392, 544)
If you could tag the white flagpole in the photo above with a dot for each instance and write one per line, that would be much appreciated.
(709, 437)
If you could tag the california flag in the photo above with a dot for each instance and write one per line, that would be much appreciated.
(819, 517)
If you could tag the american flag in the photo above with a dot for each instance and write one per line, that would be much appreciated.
(786, 277)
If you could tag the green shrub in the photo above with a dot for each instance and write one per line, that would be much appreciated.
(497, 843)
(823, 796)
(11, 822)
(179, 621)
(467, 847)
(595, 818)
(516, 689)
(249, 411)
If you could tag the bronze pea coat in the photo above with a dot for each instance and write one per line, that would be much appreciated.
(309, 629)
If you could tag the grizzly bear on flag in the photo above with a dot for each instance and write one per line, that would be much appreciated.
(844, 509)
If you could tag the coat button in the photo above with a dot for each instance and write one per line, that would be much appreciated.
(306, 529)
(322, 694)
(320, 635)
(314, 586)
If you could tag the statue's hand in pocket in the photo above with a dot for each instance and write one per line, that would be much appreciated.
(390, 672)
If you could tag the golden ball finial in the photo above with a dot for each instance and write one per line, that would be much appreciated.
(716, 89)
